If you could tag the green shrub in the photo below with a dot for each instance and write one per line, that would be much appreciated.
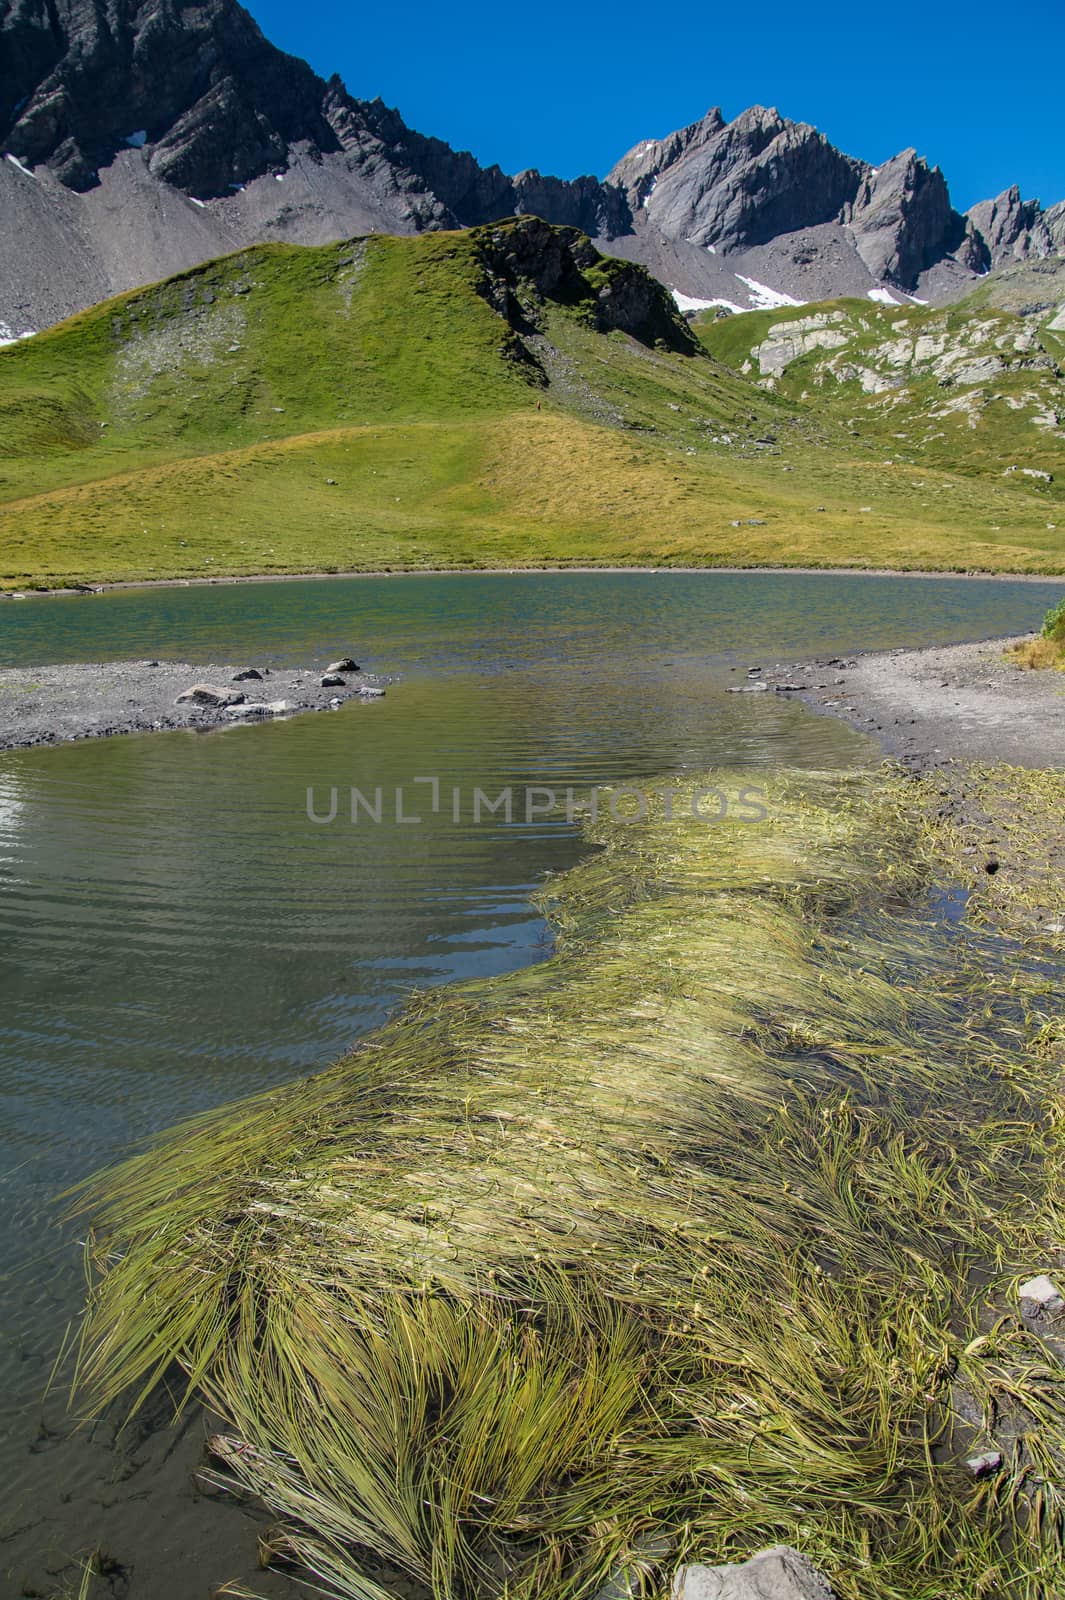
(1054, 622)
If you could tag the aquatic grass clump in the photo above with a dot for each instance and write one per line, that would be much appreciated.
(674, 1246)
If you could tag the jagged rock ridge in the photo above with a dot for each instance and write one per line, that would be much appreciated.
(778, 193)
(1019, 230)
(142, 138)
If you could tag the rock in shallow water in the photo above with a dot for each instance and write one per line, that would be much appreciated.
(261, 708)
(777, 1574)
(345, 664)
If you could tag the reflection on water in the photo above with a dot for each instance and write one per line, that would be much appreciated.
(175, 932)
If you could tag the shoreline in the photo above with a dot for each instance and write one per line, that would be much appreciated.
(928, 707)
(940, 705)
(52, 705)
(983, 743)
(87, 590)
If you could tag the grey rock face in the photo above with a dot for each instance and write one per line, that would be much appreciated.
(903, 222)
(200, 85)
(734, 187)
(777, 1574)
(1054, 220)
(1014, 229)
(215, 105)
(737, 184)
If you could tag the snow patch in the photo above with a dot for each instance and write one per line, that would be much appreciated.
(201, 203)
(15, 162)
(9, 336)
(766, 299)
(685, 302)
(138, 140)
(711, 249)
(883, 297)
(650, 192)
(279, 177)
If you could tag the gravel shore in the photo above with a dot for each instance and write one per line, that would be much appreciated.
(952, 703)
(986, 740)
(51, 705)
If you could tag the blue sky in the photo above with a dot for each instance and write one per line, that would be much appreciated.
(569, 88)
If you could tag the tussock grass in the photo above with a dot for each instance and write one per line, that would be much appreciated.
(1048, 650)
(677, 1243)
(1035, 655)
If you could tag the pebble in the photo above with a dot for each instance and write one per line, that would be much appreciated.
(1042, 1295)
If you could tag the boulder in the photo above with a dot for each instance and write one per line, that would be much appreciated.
(371, 694)
(209, 694)
(345, 664)
(249, 675)
(333, 680)
(777, 1574)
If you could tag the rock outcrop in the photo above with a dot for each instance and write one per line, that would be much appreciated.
(1017, 230)
(737, 184)
(526, 261)
(904, 224)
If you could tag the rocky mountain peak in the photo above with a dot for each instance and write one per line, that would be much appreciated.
(730, 185)
(199, 84)
(1013, 229)
(903, 222)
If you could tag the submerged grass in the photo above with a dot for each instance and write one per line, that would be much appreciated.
(675, 1246)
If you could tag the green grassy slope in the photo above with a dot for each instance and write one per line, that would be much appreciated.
(970, 387)
(450, 400)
